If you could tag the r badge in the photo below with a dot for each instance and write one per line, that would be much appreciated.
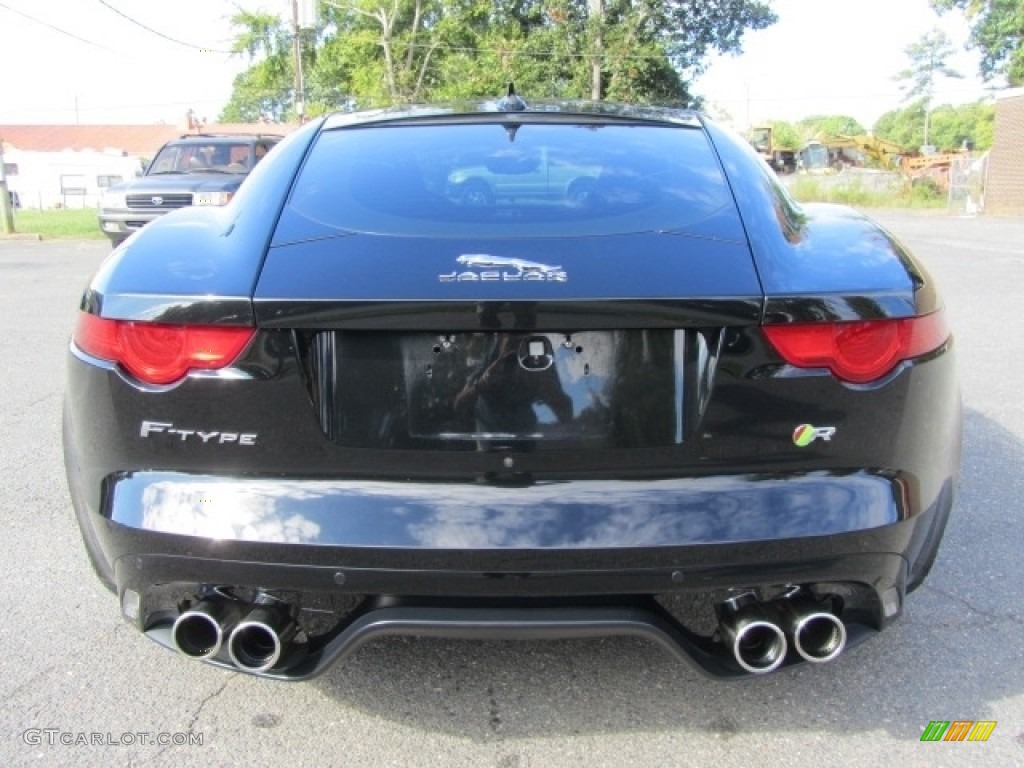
(806, 434)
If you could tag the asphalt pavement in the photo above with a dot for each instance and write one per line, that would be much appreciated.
(79, 687)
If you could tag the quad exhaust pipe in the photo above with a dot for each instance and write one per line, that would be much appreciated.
(200, 631)
(259, 640)
(818, 635)
(757, 642)
(255, 641)
(759, 634)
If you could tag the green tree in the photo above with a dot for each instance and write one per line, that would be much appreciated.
(263, 90)
(786, 135)
(929, 58)
(970, 123)
(830, 125)
(951, 125)
(675, 36)
(375, 52)
(901, 126)
(997, 30)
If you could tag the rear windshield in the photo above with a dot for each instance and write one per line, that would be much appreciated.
(497, 180)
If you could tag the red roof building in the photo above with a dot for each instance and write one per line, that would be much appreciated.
(69, 166)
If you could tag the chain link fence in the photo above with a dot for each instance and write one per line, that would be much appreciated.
(967, 184)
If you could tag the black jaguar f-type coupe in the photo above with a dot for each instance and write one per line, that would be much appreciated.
(510, 370)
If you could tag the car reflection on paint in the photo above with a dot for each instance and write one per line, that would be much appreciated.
(522, 175)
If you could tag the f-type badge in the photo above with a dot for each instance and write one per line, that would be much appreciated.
(484, 268)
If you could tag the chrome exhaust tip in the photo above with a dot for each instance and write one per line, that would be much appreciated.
(757, 643)
(258, 642)
(759, 647)
(819, 636)
(199, 632)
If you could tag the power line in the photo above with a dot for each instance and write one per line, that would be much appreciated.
(55, 28)
(138, 23)
(208, 102)
(549, 53)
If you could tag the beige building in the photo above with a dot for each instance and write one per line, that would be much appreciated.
(1004, 186)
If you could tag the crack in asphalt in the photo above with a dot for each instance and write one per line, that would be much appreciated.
(493, 711)
(195, 718)
(973, 608)
(40, 400)
(18, 689)
(204, 702)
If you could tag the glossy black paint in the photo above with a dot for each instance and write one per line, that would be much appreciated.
(645, 266)
(739, 480)
(746, 423)
(447, 316)
(199, 265)
(318, 479)
(556, 515)
(819, 262)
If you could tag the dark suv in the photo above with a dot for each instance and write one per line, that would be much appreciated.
(196, 169)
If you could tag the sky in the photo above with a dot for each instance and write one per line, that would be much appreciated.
(832, 57)
(101, 68)
(79, 61)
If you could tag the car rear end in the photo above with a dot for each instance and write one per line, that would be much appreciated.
(399, 408)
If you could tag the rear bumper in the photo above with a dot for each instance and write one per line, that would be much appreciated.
(576, 537)
(577, 559)
(567, 516)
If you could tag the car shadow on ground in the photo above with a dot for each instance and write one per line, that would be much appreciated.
(954, 655)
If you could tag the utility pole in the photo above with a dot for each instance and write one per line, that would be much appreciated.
(596, 14)
(6, 214)
(300, 88)
(746, 87)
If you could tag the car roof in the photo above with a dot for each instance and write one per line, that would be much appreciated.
(224, 138)
(540, 111)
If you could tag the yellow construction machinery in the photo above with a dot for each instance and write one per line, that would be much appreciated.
(831, 153)
(781, 159)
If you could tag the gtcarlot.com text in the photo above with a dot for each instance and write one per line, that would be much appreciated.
(56, 737)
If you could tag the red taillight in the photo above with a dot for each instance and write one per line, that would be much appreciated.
(157, 353)
(860, 351)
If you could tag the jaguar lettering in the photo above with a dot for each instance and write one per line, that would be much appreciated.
(484, 268)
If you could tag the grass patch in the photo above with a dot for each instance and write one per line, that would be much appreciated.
(59, 223)
(921, 195)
